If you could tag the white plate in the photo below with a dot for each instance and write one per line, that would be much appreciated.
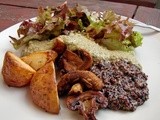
(16, 104)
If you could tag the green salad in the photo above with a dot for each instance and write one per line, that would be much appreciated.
(107, 29)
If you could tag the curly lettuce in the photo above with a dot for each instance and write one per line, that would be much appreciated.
(114, 33)
(136, 39)
(128, 44)
(107, 29)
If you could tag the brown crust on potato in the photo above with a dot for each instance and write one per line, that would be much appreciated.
(43, 89)
(16, 73)
(38, 59)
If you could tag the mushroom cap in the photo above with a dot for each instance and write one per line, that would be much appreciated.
(86, 78)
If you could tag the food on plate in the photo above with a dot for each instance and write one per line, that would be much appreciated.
(76, 60)
(43, 89)
(87, 78)
(76, 41)
(35, 46)
(76, 89)
(114, 33)
(95, 61)
(125, 84)
(87, 103)
(38, 59)
(16, 73)
(59, 46)
(133, 41)
(70, 61)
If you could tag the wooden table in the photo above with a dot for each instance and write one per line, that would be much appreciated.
(147, 3)
(12, 12)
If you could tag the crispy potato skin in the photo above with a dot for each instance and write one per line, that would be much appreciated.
(43, 89)
(38, 59)
(16, 73)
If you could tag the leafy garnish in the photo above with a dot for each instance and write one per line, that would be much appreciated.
(136, 39)
(113, 44)
(107, 29)
(114, 33)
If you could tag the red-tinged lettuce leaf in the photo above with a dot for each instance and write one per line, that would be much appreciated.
(110, 17)
(52, 22)
(114, 33)
(95, 28)
(29, 27)
(53, 27)
(44, 15)
(61, 11)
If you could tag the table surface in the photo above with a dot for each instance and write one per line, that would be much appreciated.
(12, 12)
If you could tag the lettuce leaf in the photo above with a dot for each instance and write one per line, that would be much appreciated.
(107, 29)
(128, 44)
(17, 43)
(136, 39)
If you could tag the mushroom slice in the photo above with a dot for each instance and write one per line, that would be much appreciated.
(76, 60)
(86, 78)
(87, 103)
(86, 58)
(59, 45)
(71, 61)
(76, 89)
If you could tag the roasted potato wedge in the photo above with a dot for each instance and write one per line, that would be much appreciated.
(16, 73)
(43, 89)
(38, 59)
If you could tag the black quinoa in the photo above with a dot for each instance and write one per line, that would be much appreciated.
(125, 84)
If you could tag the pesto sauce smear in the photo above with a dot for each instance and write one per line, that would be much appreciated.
(76, 41)
(79, 41)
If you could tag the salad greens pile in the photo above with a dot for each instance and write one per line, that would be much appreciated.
(107, 29)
